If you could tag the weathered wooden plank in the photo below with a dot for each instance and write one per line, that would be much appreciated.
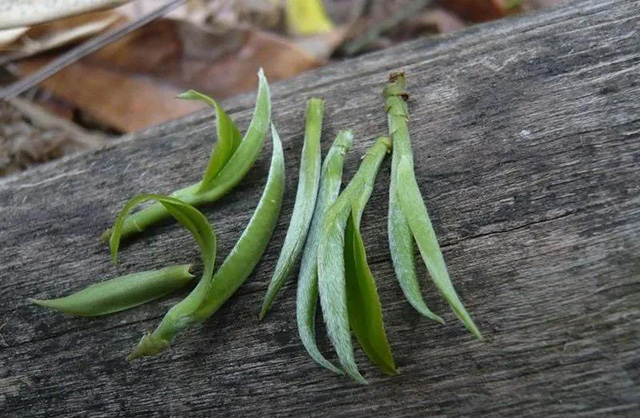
(527, 142)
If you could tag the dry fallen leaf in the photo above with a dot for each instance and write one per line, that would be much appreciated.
(17, 13)
(323, 46)
(9, 36)
(480, 10)
(126, 102)
(130, 84)
(52, 35)
(221, 64)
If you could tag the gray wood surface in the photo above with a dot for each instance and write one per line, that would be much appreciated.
(527, 141)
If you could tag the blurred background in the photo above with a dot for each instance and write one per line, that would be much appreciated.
(213, 46)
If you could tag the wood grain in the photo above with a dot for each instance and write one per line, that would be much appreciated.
(527, 141)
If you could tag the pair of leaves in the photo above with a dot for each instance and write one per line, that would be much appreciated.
(307, 292)
(425, 236)
(213, 290)
(218, 181)
(349, 297)
(180, 315)
(230, 160)
(346, 286)
(408, 216)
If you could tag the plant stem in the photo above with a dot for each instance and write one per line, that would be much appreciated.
(400, 237)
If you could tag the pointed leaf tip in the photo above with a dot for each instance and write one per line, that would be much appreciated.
(195, 95)
(262, 79)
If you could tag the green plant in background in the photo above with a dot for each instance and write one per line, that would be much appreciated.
(307, 17)
(305, 202)
(408, 217)
(122, 292)
(213, 290)
(512, 4)
(347, 291)
(231, 159)
(307, 294)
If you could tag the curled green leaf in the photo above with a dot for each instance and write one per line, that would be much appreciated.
(121, 293)
(181, 314)
(229, 138)
(238, 265)
(307, 293)
(248, 150)
(308, 185)
(223, 172)
(420, 224)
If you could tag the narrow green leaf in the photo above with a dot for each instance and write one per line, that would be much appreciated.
(332, 288)
(422, 229)
(229, 138)
(307, 293)
(246, 254)
(308, 185)
(121, 293)
(363, 302)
